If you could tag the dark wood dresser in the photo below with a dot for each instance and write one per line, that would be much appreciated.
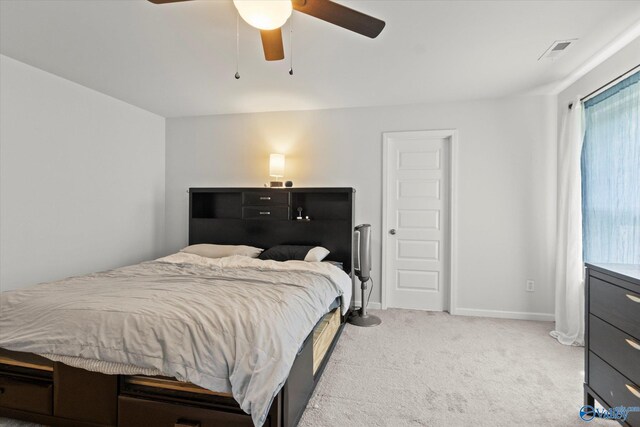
(612, 337)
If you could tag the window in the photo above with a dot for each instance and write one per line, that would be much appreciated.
(611, 175)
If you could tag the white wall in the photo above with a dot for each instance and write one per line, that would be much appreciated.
(81, 179)
(617, 64)
(507, 181)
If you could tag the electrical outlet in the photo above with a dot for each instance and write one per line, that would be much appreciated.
(531, 286)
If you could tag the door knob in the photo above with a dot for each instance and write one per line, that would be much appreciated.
(392, 231)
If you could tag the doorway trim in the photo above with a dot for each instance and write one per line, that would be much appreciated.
(452, 136)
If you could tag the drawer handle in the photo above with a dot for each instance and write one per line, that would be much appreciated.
(1, 390)
(187, 423)
(265, 198)
(633, 298)
(633, 391)
(265, 213)
(633, 343)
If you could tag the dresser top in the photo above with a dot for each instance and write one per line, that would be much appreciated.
(629, 272)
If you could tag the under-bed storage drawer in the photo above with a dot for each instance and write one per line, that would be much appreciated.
(26, 394)
(140, 412)
(323, 336)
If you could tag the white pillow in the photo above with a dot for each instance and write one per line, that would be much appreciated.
(221, 251)
(316, 254)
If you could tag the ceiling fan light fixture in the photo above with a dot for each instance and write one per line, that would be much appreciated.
(264, 14)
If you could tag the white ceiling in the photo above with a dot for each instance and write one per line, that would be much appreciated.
(179, 59)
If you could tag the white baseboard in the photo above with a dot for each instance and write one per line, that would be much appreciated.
(519, 315)
(372, 305)
(499, 314)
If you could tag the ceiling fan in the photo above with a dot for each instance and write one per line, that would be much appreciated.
(269, 15)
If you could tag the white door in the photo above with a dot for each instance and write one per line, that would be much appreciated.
(416, 219)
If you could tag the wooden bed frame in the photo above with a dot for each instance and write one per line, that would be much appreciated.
(36, 389)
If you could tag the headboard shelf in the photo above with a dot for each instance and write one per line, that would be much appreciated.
(265, 217)
(216, 205)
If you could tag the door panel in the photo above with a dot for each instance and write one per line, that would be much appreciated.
(416, 234)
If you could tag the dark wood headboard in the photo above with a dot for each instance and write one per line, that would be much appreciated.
(266, 217)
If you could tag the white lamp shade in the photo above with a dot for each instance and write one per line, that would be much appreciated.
(276, 165)
(264, 14)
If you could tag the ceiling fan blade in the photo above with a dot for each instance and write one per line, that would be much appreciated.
(272, 44)
(341, 16)
(165, 1)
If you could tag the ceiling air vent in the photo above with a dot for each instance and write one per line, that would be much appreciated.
(556, 49)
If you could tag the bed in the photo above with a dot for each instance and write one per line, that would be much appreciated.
(187, 340)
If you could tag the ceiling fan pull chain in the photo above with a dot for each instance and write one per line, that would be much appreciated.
(291, 45)
(237, 75)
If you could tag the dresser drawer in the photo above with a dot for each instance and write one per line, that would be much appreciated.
(26, 394)
(619, 349)
(140, 412)
(266, 198)
(613, 387)
(616, 305)
(266, 212)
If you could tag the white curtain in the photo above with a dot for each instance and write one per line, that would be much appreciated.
(569, 266)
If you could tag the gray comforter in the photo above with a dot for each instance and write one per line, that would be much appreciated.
(232, 325)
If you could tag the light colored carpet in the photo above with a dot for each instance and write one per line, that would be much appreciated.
(432, 369)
